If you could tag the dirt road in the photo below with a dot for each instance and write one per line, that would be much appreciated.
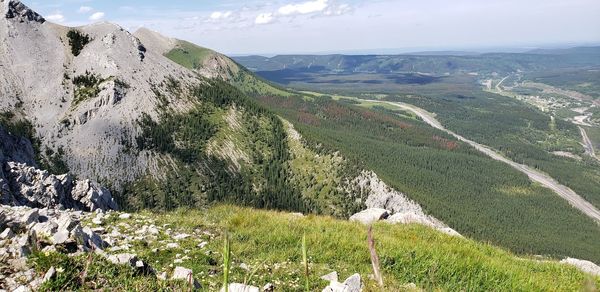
(537, 176)
(498, 88)
(587, 143)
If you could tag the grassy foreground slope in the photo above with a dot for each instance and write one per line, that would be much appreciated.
(270, 244)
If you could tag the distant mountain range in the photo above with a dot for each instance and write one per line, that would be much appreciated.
(436, 63)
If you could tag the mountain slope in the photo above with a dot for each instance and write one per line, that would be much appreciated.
(100, 90)
(209, 63)
(86, 104)
(109, 106)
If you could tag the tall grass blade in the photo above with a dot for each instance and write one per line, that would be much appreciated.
(305, 261)
(374, 258)
(226, 263)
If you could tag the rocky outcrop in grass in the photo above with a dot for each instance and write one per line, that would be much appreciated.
(24, 185)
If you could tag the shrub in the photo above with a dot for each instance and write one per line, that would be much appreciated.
(77, 41)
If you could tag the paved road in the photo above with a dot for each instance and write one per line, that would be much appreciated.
(587, 143)
(537, 176)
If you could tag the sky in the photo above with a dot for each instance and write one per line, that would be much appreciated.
(343, 26)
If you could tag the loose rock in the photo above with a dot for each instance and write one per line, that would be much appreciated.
(181, 273)
(370, 216)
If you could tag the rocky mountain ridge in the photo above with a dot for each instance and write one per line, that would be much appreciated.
(86, 104)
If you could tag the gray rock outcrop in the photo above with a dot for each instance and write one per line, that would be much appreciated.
(15, 148)
(30, 229)
(583, 265)
(400, 209)
(96, 132)
(370, 215)
(16, 9)
(28, 186)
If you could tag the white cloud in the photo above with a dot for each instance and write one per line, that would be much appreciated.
(337, 10)
(57, 17)
(97, 16)
(264, 18)
(304, 7)
(85, 9)
(218, 15)
(314, 8)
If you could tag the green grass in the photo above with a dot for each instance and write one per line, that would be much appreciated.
(193, 57)
(189, 55)
(270, 243)
(101, 275)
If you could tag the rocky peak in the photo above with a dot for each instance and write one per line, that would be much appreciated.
(19, 11)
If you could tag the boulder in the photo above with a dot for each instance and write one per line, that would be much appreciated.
(2, 215)
(153, 230)
(123, 258)
(93, 197)
(132, 261)
(181, 273)
(30, 216)
(244, 267)
(409, 218)
(61, 236)
(352, 284)
(94, 238)
(50, 274)
(22, 289)
(331, 277)
(97, 221)
(335, 287)
(181, 236)
(269, 288)
(66, 222)
(7, 234)
(125, 216)
(45, 229)
(370, 216)
(172, 245)
(583, 265)
(22, 246)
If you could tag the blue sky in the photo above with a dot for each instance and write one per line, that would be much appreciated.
(288, 26)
